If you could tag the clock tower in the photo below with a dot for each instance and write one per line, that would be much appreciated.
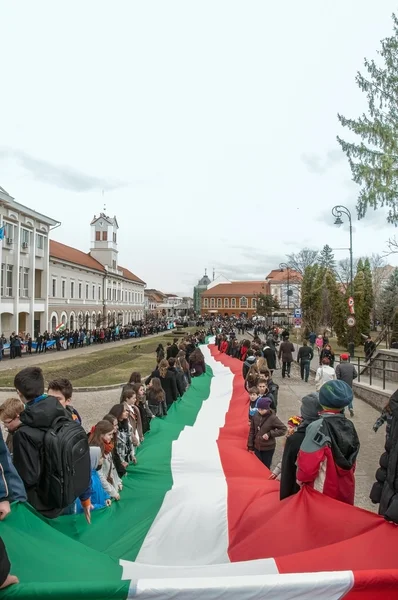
(104, 240)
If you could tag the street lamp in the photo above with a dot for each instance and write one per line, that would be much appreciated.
(282, 267)
(337, 212)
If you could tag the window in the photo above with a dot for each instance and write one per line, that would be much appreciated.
(6, 280)
(93, 292)
(205, 303)
(212, 302)
(9, 230)
(80, 290)
(125, 296)
(114, 294)
(113, 264)
(97, 236)
(119, 295)
(233, 303)
(24, 282)
(72, 289)
(114, 237)
(109, 294)
(254, 303)
(226, 303)
(243, 302)
(219, 303)
(25, 238)
(54, 287)
(63, 288)
(99, 292)
(104, 236)
(130, 297)
(87, 291)
(40, 241)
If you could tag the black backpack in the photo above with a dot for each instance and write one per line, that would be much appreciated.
(66, 469)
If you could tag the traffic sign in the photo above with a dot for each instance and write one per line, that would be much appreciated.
(351, 321)
(297, 323)
(297, 313)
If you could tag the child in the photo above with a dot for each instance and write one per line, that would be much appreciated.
(324, 373)
(142, 405)
(62, 390)
(264, 429)
(124, 441)
(273, 387)
(265, 393)
(292, 425)
(101, 435)
(9, 415)
(385, 417)
(99, 496)
(156, 398)
(253, 396)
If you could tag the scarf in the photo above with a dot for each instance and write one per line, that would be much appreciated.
(108, 447)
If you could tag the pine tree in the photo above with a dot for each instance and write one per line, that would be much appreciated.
(360, 307)
(266, 304)
(311, 296)
(326, 258)
(374, 160)
(389, 298)
(338, 308)
(369, 296)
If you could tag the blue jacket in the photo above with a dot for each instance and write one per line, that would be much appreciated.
(98, 494)
(11, 486)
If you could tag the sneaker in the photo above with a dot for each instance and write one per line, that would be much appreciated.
(351, 412)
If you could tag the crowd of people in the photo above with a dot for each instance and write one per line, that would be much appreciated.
(52, 462)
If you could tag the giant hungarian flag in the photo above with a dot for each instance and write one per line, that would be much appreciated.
(198, 518)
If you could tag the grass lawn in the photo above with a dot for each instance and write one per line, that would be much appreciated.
(106, 367)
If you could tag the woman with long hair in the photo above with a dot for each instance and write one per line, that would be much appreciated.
(124, 445)
(142, 405)
(135, 377)
(197, 363)
(121, 470)
(156, 398)
(129, 397)
(101, 435)
(252, 377)
(167, 380)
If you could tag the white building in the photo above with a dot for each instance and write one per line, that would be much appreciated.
(24, 254)
(92, 289)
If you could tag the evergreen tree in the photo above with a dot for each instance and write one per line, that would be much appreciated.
(389, 299)
(374, 159)
(311, 296)
(338, 308)
(326, 258)
(369, 297)
(360, 307)
(266, 304)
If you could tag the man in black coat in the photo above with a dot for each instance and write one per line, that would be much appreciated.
(385, 491)
(270, 355)
(310, 409)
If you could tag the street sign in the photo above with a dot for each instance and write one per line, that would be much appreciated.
(350, 302)
(297, 313)
(297, 323)
(351, 321)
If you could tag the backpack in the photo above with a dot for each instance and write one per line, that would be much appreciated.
(66, 470)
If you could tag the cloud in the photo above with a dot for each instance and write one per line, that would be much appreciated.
(61, 176)
(256, 264)
(320, 164)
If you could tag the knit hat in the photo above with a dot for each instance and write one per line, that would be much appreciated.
(310, 407)
(335, 394)
(264, 403)
(344, 356)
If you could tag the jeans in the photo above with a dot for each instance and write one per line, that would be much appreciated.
(286, 366)
(305, 369)
(265, 456)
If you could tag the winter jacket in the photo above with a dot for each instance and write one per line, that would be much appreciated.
(327, 457)
(385, 417)
(305, 353)
(109, 477)
(324, 374)
(289, 468)
(385, 491)
(159, 409)
(197, 368)
(11, 485)
(168, 383)
(224, 347)
(270, 357)
(37, 417)
(327, 354)
(180, 379)
(262, 424)
(346, 372)
(249, 362)
(286, 350)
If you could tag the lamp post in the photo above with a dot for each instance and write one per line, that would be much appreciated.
(282, 267)
(337, 212)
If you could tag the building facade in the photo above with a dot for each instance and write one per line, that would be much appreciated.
(92, 289)
(24, 254)
(285, 286)
(233, 298)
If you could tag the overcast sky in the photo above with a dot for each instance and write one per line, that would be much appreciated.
(211, 125)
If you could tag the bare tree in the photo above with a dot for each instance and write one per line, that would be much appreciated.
(301, 260)
(377, 265)
(343, 271)
(392, 246)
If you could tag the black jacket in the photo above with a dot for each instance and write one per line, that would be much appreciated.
(27, 445)
(172, 351)
(249, 362)
(169, 385)
(385, 490)
(288, 473)
(305, 353)
(270, 357)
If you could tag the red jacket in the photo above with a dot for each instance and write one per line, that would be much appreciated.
(224, 347)
(327, 457)
(243, 352)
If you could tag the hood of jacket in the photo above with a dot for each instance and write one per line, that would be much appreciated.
(394, 404)
(250, 360)
(95, 455)
(344, 440)
(41, 414)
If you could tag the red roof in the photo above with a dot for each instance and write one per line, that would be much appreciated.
(279, 276)
(238, 288)
(77, 257)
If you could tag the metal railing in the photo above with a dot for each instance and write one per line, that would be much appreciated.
(366, 370)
